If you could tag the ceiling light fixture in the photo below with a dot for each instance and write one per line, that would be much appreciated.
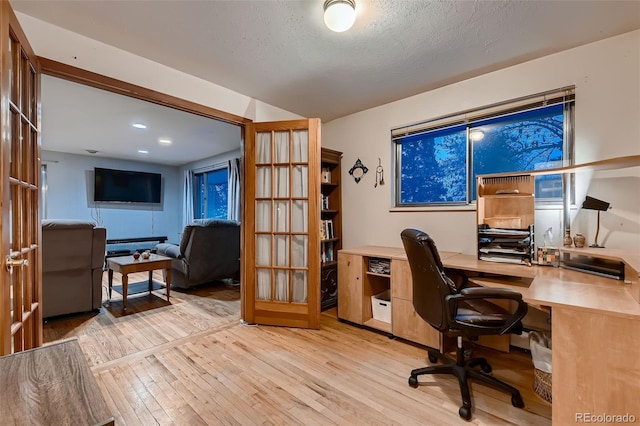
(143, 151)
(139, 126)
(339, 15)
(476, 135)
(164, 141)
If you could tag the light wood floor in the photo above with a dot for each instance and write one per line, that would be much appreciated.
(192, 362)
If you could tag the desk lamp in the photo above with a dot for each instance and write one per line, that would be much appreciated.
(591, 203)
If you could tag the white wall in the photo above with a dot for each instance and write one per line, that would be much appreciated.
(607, 124)
(70, 196)
(64, 46)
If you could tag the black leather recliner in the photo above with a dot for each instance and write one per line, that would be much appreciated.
(458, 311)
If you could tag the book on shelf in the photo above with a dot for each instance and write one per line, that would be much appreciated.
(326, 229)
(326, 252)
(324, 202)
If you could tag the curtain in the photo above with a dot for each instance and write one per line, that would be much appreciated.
(233, 207)
(300, 214)
(263, 216)
(280, 176)
(187, 202)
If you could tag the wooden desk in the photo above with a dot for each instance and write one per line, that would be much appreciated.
(595, 324)
(51, 385)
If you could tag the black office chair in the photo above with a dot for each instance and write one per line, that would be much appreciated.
(458, 311)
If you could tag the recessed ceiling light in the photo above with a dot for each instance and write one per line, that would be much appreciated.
(164, 141)
(139, 126)
(143, 151)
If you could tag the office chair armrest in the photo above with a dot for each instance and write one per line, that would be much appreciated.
(487, 293)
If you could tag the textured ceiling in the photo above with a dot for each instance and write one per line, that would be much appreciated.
(281, 53)
(78, 118)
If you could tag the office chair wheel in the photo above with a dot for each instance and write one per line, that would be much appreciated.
(433, 359)
(413, 381)
(465, 412)
(486, 367)
(517, 401)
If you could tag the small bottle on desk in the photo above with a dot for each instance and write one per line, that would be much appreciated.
(567, 241)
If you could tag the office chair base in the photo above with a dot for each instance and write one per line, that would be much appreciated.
(464, 370)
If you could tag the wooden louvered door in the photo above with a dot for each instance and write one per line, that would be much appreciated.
(20, 235)
(281, 259)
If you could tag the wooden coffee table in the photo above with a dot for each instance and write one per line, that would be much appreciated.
(128, 265)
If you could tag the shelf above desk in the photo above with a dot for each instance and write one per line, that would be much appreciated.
(608, 164)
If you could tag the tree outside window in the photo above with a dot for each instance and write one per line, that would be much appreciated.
(433, 167)
(440, 166)
(530, 140)
(210, 194)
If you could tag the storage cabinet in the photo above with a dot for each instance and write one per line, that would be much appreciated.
(505, 212)
(331, 226)
(350, 291)
(406, 322)
(360, 277)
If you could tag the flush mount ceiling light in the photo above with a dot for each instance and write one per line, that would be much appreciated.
(339, 15)
(164, 141)
(143, 151)
(139, 126)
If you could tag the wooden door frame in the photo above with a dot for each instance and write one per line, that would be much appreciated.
(28, 323)
(99, 81)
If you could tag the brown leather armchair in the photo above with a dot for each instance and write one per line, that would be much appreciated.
(209, 251)
(458, 311)
(72, 265)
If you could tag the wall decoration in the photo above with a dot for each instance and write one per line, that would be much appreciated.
(379, 174)
(358, 170)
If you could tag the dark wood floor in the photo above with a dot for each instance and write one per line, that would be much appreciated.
(192, 362)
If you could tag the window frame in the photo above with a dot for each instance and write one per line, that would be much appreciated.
(203, 172)
(564, 96)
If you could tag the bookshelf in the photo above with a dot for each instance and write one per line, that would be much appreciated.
(505, 213)
(330, 226)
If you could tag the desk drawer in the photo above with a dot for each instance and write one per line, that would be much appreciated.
(402, 285)
(409, 325)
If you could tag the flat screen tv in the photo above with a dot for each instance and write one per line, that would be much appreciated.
(126, 186)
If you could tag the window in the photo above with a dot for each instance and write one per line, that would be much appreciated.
(434, 167)
(436, 163)
(210, 194)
